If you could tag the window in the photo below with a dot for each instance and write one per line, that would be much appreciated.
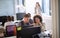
(20, 6)
(19, 2)
(46, 6)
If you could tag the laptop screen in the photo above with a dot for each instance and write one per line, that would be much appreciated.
(11, 30)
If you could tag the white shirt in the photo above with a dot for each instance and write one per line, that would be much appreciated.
(38, 11)
(8, 23)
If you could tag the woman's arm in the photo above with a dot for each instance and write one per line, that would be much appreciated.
(43, 27)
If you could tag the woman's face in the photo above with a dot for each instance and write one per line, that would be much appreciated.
(37, 5)
(37, 20)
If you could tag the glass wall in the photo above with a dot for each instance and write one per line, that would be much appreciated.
(28, 4)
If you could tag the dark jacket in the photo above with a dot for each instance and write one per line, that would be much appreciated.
(24, 25)
(30, 21)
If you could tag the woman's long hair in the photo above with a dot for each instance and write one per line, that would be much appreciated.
(38, 4)
(37, 16)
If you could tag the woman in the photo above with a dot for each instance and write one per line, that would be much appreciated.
(38, 9)
(38, 22)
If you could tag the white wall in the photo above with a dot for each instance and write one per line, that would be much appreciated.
(30, 6)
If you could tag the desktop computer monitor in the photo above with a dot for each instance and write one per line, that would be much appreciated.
(3, 19)
(20, 16)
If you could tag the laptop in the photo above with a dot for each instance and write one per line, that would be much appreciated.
(11, 30)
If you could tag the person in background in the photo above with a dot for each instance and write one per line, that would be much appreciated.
(9, 22)
(38, 9)
(2, 32)
(25, 21)
(30, 20)
(12, 18)
(38, 22)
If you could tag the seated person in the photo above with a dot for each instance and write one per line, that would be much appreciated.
(25, 21)
(1, 32)
(30, 20)
(24, 24)
(9, 22)
(38, 22)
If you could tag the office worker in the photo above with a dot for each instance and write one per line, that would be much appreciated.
(25, 21)
(9, 22)
(2, 32)
(38, 22)
(30, 20)
(38, 9)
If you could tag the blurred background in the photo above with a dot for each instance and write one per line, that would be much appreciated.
(15, 7)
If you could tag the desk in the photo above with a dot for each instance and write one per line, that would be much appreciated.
(10, 37)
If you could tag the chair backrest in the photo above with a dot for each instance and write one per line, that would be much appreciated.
(11, 30)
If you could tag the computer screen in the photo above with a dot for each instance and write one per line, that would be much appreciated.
(3, 19)
(20, 16)
(28, 32)
(11, 30)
